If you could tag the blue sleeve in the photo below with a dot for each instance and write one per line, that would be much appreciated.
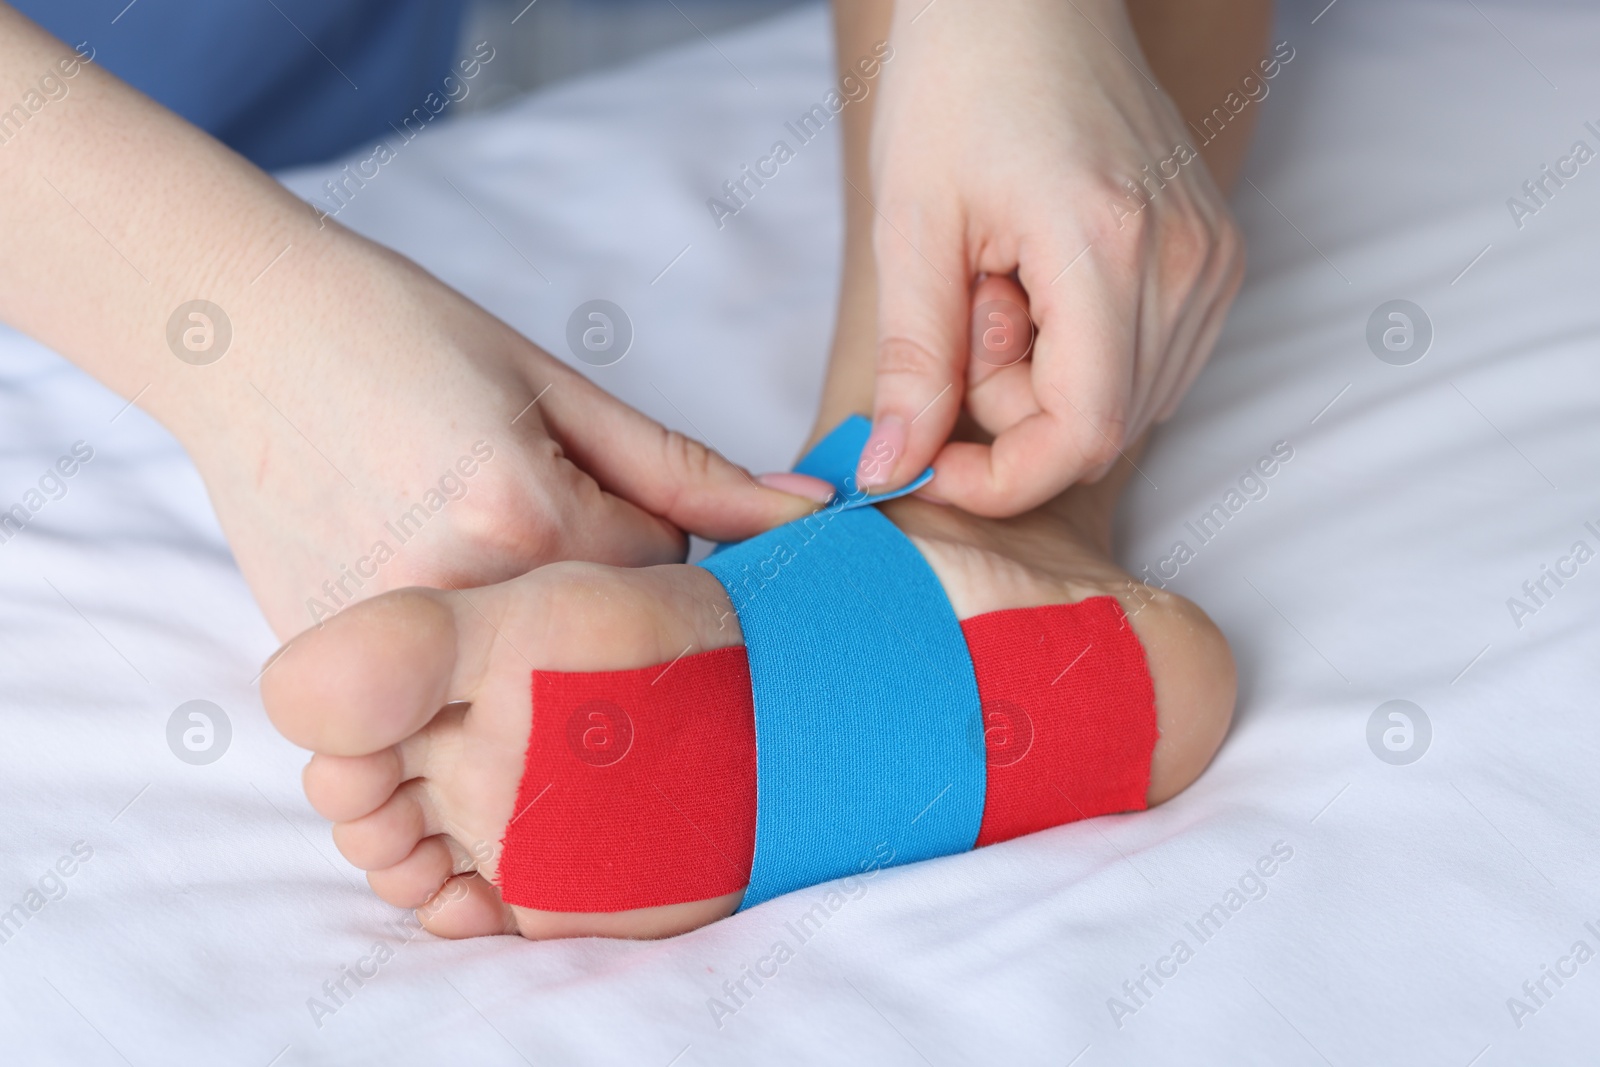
(283, 83)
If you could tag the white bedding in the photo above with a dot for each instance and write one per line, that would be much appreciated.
(1418, 898)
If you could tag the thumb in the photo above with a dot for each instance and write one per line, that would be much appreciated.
(666, 473)
(923, 314)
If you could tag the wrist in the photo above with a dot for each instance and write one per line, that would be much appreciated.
(248, 329)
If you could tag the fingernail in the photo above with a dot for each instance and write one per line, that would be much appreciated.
(802, 485)
(927, 493)
(882, 451)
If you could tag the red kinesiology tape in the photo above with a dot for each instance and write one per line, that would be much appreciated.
(639, 787)
(1069, 715)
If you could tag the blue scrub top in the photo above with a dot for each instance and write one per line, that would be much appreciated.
(283, 82)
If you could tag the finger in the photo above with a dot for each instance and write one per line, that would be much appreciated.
(923, 311)
(665, 473)
(1004, 399)
(984, 479)
(1082, 376)
(1091, 328)
(1000, 374)
(590, 523)
(1001, 333)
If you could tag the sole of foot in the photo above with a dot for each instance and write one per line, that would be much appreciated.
(416, 704)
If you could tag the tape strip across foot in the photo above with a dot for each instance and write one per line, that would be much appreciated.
(865, 701)
(860, 715)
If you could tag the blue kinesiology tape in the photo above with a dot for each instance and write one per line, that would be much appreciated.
(834, 458)
(866, 704)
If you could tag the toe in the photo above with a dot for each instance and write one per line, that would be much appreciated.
(388, 835)
(467, 906)
(415, 880)
(343, 788)
(366, 678)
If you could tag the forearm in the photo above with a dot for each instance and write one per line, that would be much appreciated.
(116, 212)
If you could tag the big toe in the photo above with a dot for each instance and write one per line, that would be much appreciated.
(366, 678)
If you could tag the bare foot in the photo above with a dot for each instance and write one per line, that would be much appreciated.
(416, 703)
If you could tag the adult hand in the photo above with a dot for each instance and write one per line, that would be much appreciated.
(1030, 140)
(359, 425)
(404, 436)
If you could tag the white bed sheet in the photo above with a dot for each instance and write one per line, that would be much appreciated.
(1418, 499)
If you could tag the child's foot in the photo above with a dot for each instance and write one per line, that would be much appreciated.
(417, 705)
